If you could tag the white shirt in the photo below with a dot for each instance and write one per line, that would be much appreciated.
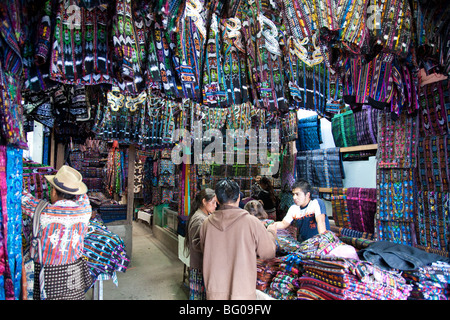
(296, 212)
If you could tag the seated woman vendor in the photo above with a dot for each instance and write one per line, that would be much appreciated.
(309, 214)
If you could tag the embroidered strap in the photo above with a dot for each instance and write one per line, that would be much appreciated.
(36, 244)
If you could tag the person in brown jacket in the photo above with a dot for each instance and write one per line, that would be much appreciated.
(231, 239)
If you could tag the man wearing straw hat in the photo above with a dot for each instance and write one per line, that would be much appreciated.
(59, 229)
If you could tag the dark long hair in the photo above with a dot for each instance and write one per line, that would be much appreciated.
(269, 188)
(207, 194)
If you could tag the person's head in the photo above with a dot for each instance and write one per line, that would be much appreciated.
(255, 208)
(227, 192)
(204, 200)
(301, 192)
(66, 184)
(56, 195)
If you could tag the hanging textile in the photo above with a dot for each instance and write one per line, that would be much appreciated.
(6, 277)
(397, 141)
(362, 207)
(115, 174)
(164, 53)
(343, 129)
(339, 207)
(434, 99)
(396, 204)
(37, 46)
(233, 53)
(260, 24)
(129, 42)
(12, 221)
(309, 133)
(123, 119)
(366, 125)
(323, 168)
(189, 47)
(80, 45)
(433, 221)
(11, 66)
(433, 167)
(390, 23)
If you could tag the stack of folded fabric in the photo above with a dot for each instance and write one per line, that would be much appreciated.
(283, 286)
(104, 252)
(334, 278)
(266, 270)
(430, 282)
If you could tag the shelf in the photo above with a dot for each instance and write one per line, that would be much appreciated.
(326, 190)
(359, 148)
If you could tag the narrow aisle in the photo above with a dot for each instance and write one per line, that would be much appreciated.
(154, 273)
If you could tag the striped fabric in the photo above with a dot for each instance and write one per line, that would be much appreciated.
(63, 228)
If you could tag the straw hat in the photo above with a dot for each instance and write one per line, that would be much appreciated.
(68, 180)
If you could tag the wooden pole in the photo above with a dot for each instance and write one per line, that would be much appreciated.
(130, 185)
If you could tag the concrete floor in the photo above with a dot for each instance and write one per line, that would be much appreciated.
(154, 273)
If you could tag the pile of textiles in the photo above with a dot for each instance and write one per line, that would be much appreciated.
(357, 239)
(104, 252)
(430, 282)
(327, 243)
(334, 278)
(283, 286)
(286, 242)
(266, 270)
